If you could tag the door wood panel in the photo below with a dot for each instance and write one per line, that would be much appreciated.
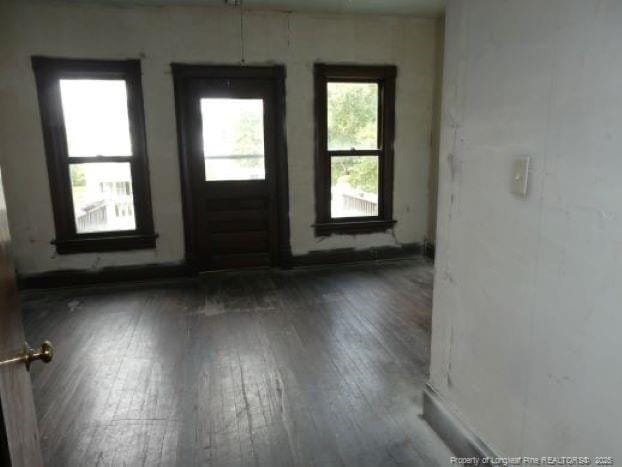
(19, 436)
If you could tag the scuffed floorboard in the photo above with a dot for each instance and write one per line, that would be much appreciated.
(266, 368)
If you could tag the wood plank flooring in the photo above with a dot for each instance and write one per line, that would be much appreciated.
(320, 367)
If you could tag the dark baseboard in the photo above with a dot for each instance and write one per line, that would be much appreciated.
(350, 255)
(462, 441)
(77, 277)
(125, 274)
(429, 249)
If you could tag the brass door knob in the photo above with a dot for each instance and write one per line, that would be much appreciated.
(45, 353)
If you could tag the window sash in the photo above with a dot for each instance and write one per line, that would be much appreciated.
(357, 218)
(70, 160)
(105, 160)
(379, 121)
(330, 153)
(63, 119)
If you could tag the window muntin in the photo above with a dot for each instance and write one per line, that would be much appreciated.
(93, 126)
(233, 139)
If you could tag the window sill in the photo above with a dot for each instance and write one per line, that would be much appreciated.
(352, 227)
(105, 244)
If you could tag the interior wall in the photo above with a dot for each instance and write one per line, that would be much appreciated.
(161, 35)
(436, 133)
(526, 318)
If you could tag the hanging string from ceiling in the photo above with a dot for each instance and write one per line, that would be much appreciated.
(242, 51)
(239, 4)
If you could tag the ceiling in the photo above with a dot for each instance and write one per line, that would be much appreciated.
(401, 7)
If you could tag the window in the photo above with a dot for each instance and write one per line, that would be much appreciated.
(233, 146)
(93, 128)
(355, 119)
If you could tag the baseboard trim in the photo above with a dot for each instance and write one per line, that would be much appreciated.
(79, 277)
(351, 255)
(429, 249)
(144, 272)
(460, 439)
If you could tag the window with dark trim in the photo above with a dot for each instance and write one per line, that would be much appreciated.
(354, 121)
(94, 135)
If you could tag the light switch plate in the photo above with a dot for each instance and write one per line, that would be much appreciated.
(520, 173)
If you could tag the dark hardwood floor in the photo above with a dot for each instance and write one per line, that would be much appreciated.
(267, 368)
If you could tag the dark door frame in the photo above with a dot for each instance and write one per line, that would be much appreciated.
(182, 75)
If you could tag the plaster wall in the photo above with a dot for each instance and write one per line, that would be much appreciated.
(525, 345)
(161, 35)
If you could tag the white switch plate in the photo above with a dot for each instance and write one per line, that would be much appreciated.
(520, 173)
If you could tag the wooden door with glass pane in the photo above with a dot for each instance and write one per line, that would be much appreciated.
(227, 119)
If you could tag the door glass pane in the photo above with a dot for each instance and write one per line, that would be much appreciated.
(354, 186)
(233, 139)
(102, 197)
(352, 112)
(96, 117)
